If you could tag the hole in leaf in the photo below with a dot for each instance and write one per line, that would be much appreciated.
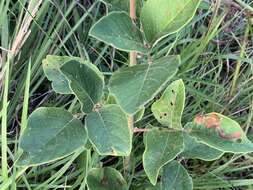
(171, 103)
(173, 91)
(165, 114)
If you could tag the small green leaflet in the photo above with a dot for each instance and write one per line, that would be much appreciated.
(118, 30)
(86, 83)
(175, 177)
(72, 75)
(108, 131)
(51, 67)
(211, 136)
(105, 179)
(169, 108)
(161, 146)
(135, 86)
(51, 133)
(160, 18)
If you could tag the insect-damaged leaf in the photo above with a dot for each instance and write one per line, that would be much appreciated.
(161, 146)
(229, 138)
(105, 179)
(51, 133)
(135, 86)
(169, 108)
(108, 131)
(197, 150)
(51, 67)
(163, 17)
(175, 177)
(85, 81)
(118, 30)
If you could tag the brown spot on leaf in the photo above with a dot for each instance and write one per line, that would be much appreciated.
(104, 181)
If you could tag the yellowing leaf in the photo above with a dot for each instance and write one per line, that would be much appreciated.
(169, 108)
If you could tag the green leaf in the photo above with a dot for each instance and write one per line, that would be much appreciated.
(51, 67)
(85, 81)
(108, 131)
(157, 187)
(51, 133)
(139, 114)
(164, 17)
(197, 150)
(176, 177)
(105, 179)
(169, 108)
(161, 146)
(135, 86)
(212, 137)
(118, 30)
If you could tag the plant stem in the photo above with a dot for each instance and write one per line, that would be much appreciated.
(132, 62)
(132, 10)
(238, 65)
(140, 130)
(4, 120)
(26, 99)
(132, 56)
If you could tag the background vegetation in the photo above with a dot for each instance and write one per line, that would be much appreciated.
(216, 49)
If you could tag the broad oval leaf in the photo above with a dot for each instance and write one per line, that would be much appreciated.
(176, 177)
(108, 131)
(163, 17)
(230, 139)
(118, 30)
(105, 179)
(161, 146)
(85, 81)
(51, 133)
(169, 108)
(51, 67)
(135, 86)
(197, 150)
